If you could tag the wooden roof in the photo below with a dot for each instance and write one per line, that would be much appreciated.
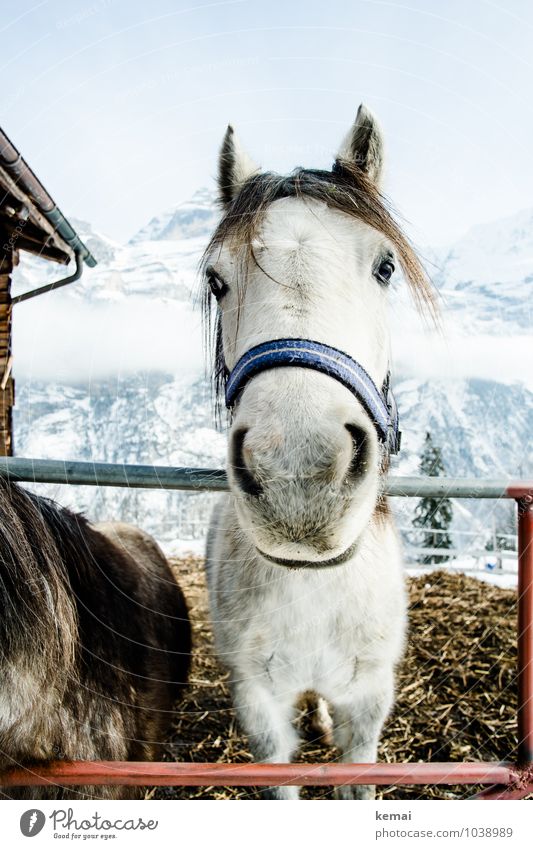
(28, 215)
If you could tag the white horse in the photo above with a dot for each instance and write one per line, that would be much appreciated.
(303, 560)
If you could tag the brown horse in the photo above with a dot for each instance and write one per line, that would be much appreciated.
(94, 641)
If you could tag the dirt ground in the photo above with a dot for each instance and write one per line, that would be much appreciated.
(456, 689)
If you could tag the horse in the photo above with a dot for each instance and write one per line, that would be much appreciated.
(303, 561)
(94, 642)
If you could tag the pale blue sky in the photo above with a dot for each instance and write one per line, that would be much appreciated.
(120, 106)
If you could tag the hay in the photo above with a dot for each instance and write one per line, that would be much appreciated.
(456, 689)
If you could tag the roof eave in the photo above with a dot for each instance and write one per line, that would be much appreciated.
(24, 179)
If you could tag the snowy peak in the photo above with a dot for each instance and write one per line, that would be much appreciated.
(194, 218)
(499, 252)
(487, 275)
(102, 247)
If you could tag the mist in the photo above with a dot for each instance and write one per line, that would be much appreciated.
(63, 340)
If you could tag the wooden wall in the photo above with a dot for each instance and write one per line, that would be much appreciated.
(7, 384)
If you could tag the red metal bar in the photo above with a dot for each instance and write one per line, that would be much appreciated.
(521, 489)
(259, 775)
(525, 630)
(499, 791)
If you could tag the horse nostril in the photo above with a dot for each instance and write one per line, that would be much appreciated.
(359, 450)
(244, 477)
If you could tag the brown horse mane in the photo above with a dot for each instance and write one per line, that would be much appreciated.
(345, 188)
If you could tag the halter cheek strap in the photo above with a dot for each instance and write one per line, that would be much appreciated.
(304, 353)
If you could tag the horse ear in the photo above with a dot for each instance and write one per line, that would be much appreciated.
(363, 145)
(234, 167)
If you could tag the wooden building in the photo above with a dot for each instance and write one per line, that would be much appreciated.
(29, 221)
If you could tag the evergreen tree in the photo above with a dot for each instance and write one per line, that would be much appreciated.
(433, 513)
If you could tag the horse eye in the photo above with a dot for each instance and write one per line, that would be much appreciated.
(385, 271)
(216, 284)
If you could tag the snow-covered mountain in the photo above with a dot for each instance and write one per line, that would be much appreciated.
(486, 278)
(165, 416)
(146, 418)
(189, 220)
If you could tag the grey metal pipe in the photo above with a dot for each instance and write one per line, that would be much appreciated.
(57, 284)
(458, 487)
(199, 480)
(112, 474)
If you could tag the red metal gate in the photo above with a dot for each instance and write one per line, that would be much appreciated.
(502, 780)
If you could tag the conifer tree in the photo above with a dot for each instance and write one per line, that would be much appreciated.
(433, 513)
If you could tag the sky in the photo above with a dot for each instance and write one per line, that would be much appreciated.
(120, 105)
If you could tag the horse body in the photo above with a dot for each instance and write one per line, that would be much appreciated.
(94, 641)
(337, 632)
(303, 561)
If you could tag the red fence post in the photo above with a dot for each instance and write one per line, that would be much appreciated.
(525, 630)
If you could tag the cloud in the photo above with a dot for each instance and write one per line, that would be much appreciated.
(456, 356)
(60, 339)
(56, 338)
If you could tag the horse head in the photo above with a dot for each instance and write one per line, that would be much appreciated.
(299, 271)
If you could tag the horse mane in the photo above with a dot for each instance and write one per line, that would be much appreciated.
(345, 188)
(33, 579)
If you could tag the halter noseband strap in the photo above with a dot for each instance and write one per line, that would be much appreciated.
(379, 404)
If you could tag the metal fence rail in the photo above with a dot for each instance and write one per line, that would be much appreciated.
(503, 780)
(200, 480)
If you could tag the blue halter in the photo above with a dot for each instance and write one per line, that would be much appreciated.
(379, 404)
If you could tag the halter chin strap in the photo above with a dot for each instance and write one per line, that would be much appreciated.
(379, 404)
